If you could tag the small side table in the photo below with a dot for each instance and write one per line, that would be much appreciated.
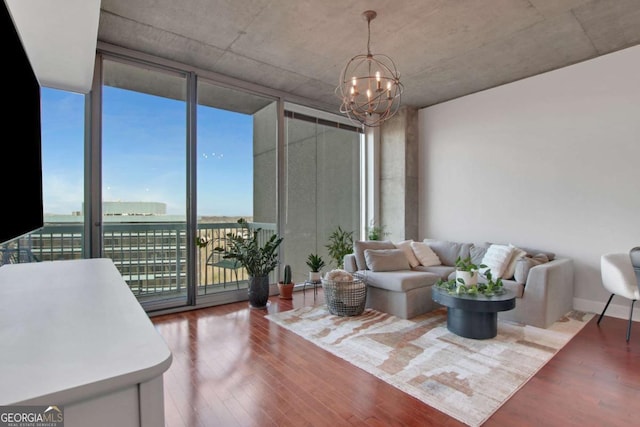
(314, 284)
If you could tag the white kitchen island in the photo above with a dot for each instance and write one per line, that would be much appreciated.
(72, 334)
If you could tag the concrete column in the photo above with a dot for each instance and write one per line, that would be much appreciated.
(399, 175)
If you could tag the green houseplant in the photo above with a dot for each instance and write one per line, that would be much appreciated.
(315, 264)
(375, 232)
(340, 244)
(459, 287)
(259, 260)
(285, 286)
(467, 271)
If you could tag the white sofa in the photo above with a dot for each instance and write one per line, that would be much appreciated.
(544, 292)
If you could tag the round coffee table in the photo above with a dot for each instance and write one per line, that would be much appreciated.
(473, 316)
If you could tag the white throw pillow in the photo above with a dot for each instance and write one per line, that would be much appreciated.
(405, 245)
(497, 259)
(425, 254)
(510, 270)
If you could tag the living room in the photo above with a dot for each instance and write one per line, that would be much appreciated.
(545, 160)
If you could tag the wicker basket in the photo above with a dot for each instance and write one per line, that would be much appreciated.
(345, 298)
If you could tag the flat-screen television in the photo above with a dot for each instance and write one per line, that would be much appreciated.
(21, 210)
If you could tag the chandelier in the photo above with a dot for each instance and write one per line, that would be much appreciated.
(370, 85)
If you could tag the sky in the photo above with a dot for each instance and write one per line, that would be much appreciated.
(144, 153)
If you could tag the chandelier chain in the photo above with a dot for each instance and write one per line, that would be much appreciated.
(368, 37)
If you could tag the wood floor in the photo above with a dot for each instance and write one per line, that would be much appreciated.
(232, 367)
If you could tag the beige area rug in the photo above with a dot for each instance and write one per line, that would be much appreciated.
(464, 378)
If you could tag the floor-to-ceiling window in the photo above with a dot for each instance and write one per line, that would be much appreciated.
(144, 173)
(151, 123)
(322, 185)
(236, 169)
(61, 238)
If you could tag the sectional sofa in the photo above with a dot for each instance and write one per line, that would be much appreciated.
(400, 276)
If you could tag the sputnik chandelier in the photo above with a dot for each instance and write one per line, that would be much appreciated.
(370, 87)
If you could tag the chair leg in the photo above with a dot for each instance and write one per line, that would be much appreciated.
(630, 316)
(605, 308)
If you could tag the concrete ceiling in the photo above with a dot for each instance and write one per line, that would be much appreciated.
(443, 49)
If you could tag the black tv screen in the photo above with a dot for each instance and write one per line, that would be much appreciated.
(21, 158)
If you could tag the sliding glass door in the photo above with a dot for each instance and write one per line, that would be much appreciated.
(144, 158)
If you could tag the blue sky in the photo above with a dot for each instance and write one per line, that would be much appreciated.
(144, 153)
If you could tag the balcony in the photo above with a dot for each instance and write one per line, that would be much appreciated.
(151, 256)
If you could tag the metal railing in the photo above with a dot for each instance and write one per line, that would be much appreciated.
(151, 256)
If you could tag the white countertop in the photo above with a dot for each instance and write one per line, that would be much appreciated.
(70, 330)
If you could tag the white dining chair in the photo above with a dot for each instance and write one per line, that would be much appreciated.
(619, 278)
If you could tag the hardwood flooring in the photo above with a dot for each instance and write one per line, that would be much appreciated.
(232, 367)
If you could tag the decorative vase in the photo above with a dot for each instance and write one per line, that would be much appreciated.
(258, 291)
(469, 277)
(286, 290)
(315, 276)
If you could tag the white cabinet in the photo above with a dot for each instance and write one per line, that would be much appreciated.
(72, 334)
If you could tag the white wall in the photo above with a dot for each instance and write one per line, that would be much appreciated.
(551, 161)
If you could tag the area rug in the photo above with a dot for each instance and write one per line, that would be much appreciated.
(464, 378)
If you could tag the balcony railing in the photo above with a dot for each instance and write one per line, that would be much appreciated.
(151, 256)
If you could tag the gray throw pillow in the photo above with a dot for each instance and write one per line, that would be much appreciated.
(448, 252)
(386, 260)
(477, 253)
(360, 246)
(525, 264)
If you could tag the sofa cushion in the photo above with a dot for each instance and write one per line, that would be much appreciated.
(399, 281)
(497, 259)
(448, 252)
(511, 267)
(359, 247)
(405, 245)
(425, 254)
(525, 264)
(386, 259)
(443, 271)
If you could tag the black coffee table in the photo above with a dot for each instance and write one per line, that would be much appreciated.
(473, 316)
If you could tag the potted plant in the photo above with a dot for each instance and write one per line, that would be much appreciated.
(467, 271)
(285, 286)
(315, 264)
(458, 287)
(340, 244)
(259, 260)
(375, 232)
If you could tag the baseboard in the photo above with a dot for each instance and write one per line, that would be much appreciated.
(618, 308)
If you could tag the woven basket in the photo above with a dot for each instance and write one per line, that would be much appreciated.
(345, 298)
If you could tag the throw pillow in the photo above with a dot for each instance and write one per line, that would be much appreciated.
(534, 252)
(386, 259)
(405, 245)
(525, 264)
(361, 245)
(477, 253)
(448, 252)
(497, 259)
(425, 254)
(511, 267)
